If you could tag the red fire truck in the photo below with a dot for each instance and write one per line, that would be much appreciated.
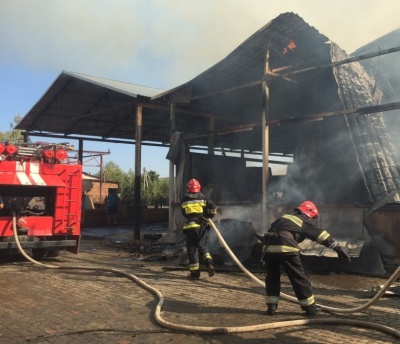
(41, 192)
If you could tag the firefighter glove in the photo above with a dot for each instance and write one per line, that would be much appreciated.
(270, 235)
(341, 254)
(261, 238)
(266, 237)
(210, 213)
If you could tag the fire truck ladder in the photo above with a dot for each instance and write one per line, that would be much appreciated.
(68, 217)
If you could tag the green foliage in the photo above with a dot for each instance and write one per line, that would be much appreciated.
(127, 185)
(112, 172)
(154, 191)
(13, 136)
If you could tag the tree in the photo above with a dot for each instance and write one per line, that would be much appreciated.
(12, 135)
(163, 191)
(112, 172)
(154, 191)
(128, 185)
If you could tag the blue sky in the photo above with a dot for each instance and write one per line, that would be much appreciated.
(156, 43)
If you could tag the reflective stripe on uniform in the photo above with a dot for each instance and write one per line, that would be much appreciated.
(191, 225)
(193, 207)
(307, 302)
(280, 249)
(194, 267)
(322, 237)
(272, 299)
(294, 219)
(206, 256)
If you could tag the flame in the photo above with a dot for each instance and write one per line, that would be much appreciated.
(291, 46)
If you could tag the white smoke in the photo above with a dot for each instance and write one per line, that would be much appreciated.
(164, 43)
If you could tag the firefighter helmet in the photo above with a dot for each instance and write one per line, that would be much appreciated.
(309, 209)
(193, 186)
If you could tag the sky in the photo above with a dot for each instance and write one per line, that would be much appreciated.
(155, 43)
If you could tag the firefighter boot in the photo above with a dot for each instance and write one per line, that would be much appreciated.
(194, 275)
(272, 307)
(210, 267)
(312, 309)
(211, 270)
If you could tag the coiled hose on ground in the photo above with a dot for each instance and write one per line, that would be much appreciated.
(209, 329)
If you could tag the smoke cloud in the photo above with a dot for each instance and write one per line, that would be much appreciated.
(164, 43)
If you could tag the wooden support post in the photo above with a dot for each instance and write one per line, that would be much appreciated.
(80, 152)
(265, 143)
(101, 179)
(172, 194)
(138, 168)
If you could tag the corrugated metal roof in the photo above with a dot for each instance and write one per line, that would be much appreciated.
(377, 156)
(118, 86)
(78, 105)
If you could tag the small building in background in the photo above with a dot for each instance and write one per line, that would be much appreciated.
(94, 211)
(94, 192)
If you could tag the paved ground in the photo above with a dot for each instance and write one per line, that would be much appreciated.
(57, 306)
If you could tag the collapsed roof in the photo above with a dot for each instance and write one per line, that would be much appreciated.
(227, 102)
(385, 69)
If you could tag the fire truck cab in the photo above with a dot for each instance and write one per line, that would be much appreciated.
(41, 192)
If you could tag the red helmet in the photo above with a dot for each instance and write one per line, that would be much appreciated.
(193, 186)
(309, 209)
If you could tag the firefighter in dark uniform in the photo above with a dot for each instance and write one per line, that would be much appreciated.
(281, 249)
(195, 206)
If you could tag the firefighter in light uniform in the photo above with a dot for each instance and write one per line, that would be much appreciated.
(194, 206)
(281, 249)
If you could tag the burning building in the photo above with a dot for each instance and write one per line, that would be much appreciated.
(287, 116)
(287, 99)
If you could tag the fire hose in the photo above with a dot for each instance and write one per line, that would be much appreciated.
(289, 298)
(211, 329)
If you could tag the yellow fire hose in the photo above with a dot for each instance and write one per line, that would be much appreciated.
(209, 329)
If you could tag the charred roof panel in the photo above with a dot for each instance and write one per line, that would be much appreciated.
(378, 159)
(232, 89)
(245, 65)
(386, 72)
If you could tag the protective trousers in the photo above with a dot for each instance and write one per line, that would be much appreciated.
(196, 245)
(295, 272)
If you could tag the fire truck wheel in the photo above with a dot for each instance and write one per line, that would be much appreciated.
(39, 253)
(53, 253)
